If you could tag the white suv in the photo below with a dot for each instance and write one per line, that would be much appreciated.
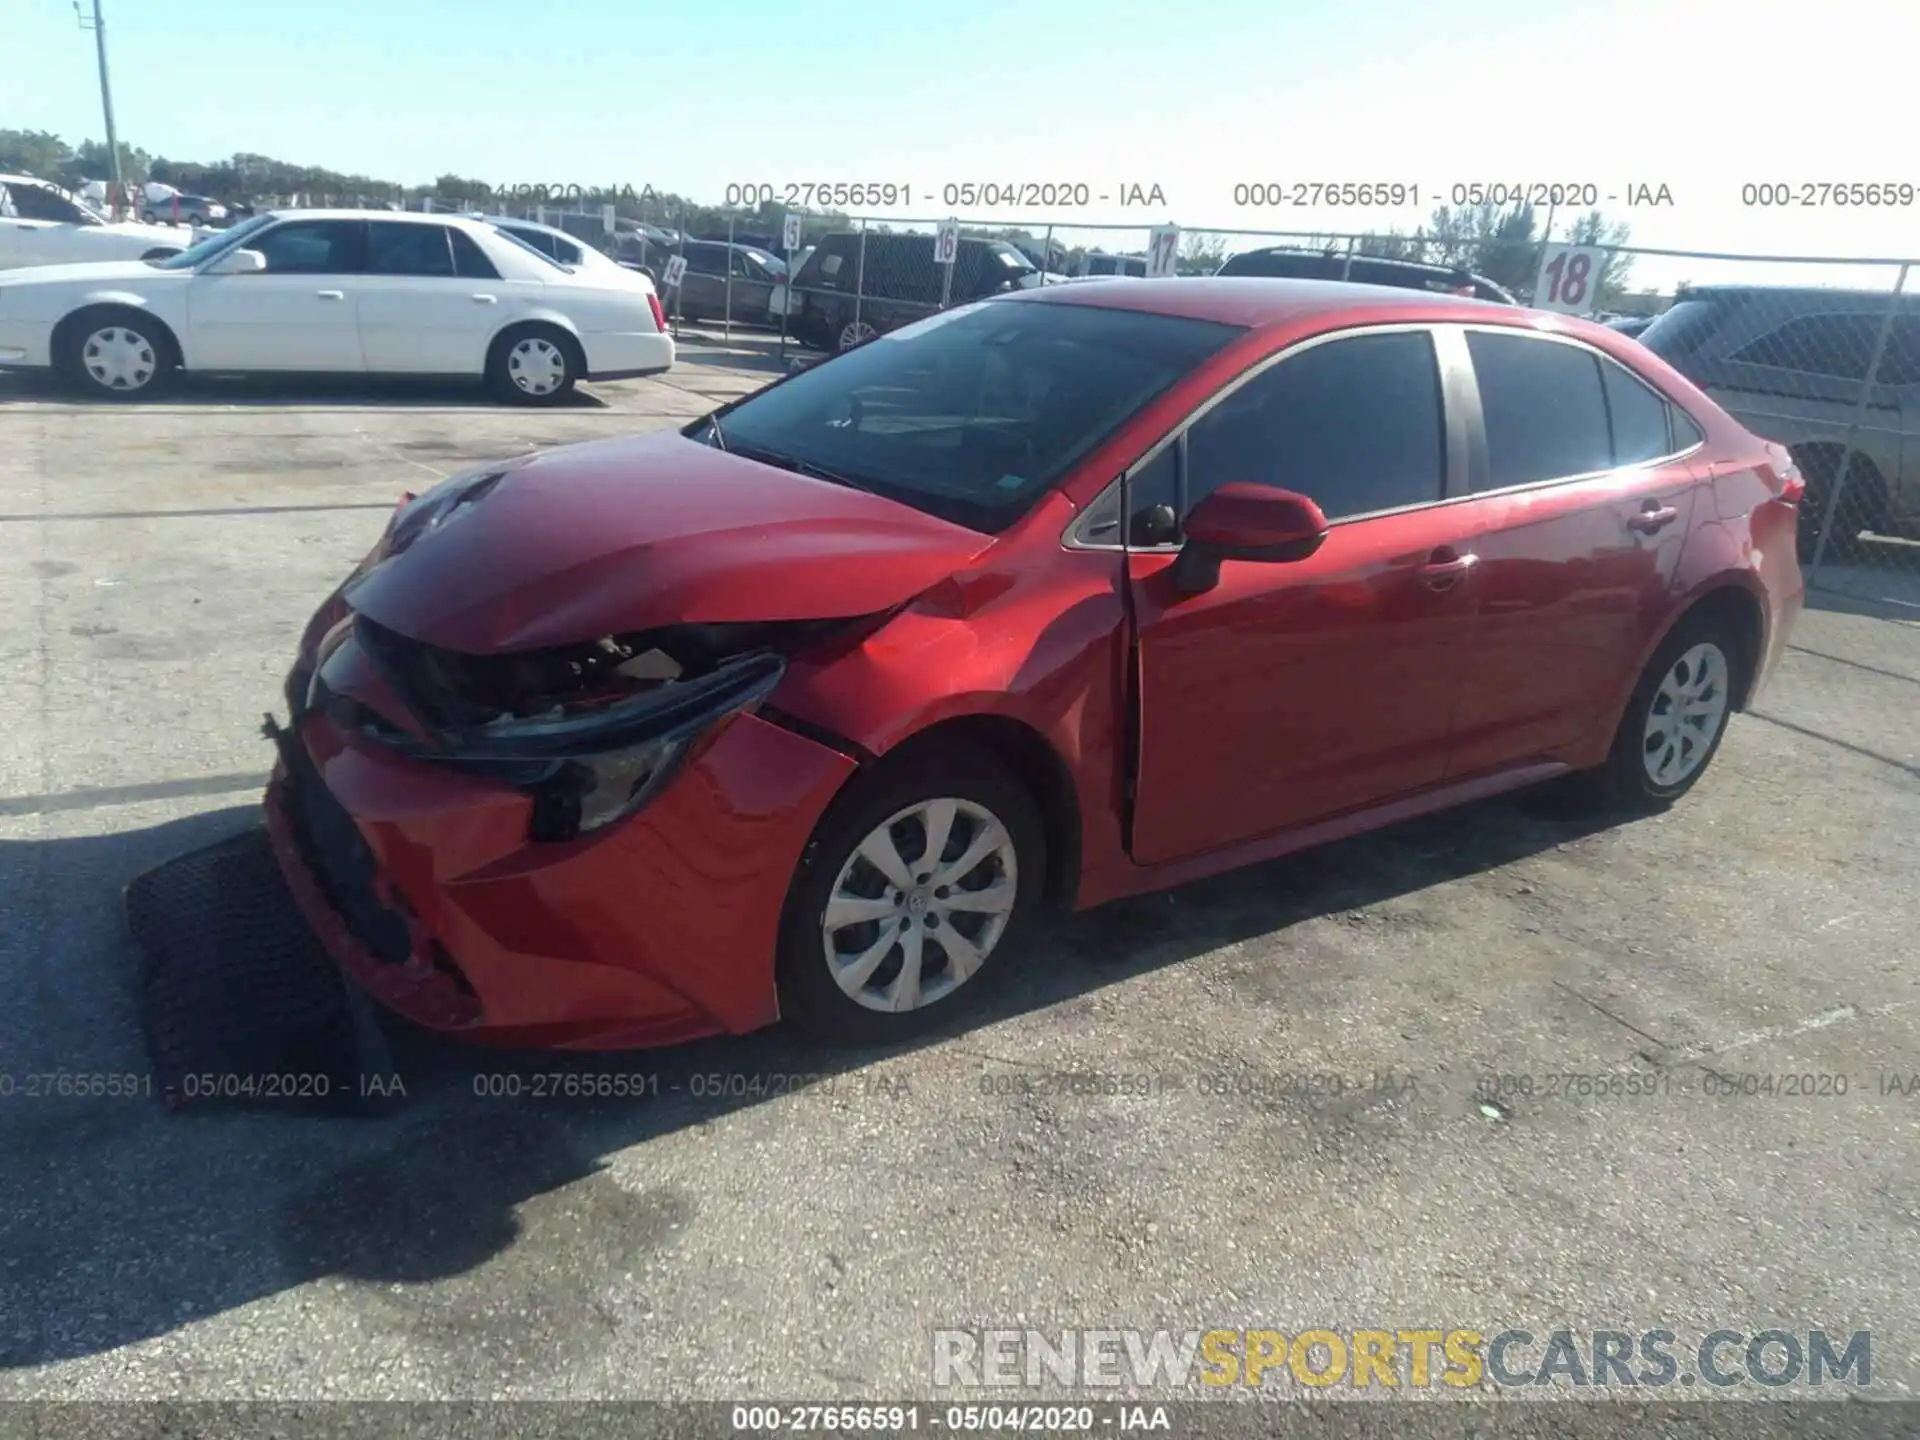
(41, 224)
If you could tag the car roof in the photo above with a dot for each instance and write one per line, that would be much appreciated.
(1783, 292)
(405, 217)
(1259, 301)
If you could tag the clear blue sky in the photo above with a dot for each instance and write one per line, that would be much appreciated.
(1696, 94)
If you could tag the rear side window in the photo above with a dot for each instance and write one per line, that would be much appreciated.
(1638, 416)
(1681, 330)
(1834, 345)
(397, 248)
(1545, 412)
(31, 202)
(1356, 424)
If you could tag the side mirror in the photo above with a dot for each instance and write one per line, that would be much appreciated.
(1244, 521)
(238, 262)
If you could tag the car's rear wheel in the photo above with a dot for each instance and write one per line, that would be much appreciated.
(910, 897)
(1677, 717)
(534, 365)
(116, 354)
(855, 332)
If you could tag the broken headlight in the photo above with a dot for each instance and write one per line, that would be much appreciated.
(586, 769)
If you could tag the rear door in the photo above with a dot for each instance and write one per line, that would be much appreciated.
(297, 314)
(1293, 692)
(426, 307)
(1585, 495)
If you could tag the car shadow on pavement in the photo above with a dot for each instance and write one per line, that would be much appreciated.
(120, 1222)
(291, 391)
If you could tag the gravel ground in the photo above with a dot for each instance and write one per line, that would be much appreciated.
(773, 1240)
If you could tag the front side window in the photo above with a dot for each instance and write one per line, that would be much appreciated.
(974, 413)
(313, 247)
(36, 202)
(1355, 423)
(1545, 411)
(195, 256)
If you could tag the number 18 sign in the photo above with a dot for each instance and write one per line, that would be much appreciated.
(1569, 275)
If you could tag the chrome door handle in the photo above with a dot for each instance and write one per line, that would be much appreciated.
(1652, 517)
(1446, 569)
(486, 299)
(331, 294)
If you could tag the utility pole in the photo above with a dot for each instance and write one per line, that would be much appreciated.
(99, 28)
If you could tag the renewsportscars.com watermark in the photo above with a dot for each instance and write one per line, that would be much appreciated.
(1457, 1358)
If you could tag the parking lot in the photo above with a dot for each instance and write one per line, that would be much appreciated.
(727, 1238)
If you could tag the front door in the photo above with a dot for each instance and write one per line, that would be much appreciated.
(1586, 497)
(1293, 692)
(297, 314)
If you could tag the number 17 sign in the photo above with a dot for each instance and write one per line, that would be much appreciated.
(1569, 276)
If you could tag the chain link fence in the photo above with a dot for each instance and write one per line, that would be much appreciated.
(1819, 353)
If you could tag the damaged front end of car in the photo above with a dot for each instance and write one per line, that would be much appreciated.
(590, 732)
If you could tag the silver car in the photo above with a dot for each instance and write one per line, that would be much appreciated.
(1791, 365)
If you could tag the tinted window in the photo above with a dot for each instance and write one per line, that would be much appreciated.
(540, 240)
(1835, 345)
(1545, 414)
(397, 248)
(470, 262)
(1686, 434)
(312, 247)
(31, 202)
(1680, 330)
(1356, 424)
(706, 260)
(1639, 417)
(1901, 364)
(974, 413)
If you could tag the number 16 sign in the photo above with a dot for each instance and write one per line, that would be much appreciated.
(1569, 276)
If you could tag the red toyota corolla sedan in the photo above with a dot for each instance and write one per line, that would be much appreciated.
(1064, 596)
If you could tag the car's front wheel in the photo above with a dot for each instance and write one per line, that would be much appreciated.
(910, 897)
(116, 354)
(1677, 717)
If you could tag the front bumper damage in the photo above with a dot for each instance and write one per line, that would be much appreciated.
(429, 861)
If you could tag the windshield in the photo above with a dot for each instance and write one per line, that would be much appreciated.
(195, 256)
(974, 413)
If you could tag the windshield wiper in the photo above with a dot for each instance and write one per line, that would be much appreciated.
(713, 428)
(799, 467)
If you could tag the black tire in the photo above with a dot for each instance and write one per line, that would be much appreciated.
(1628, 781)
(810, 997)
(504, 364)
(75, 352)
(1861, 507)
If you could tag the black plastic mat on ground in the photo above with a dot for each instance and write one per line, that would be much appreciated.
(240, 1004)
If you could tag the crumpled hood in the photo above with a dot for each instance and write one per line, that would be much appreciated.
(633, 534)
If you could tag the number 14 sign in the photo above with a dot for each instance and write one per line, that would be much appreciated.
(1569, 275)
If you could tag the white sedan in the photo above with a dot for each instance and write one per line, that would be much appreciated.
(338, 292)
(41, 224)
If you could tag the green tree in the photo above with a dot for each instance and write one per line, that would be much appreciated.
(34, 152)
(93, 161)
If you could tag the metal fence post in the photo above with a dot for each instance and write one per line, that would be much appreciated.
(726, 320)
(1346, 265)
(680, 249)
(859, 277)
(1854, 423)
(787, 308)
(1046, 253)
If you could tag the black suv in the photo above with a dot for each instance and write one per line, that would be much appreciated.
(1280, 263)
(848, 292)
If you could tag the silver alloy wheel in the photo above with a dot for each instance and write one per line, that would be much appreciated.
(117, 358)
(1686, 714)
(856, 333)
(537, 365)
(920, 904)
